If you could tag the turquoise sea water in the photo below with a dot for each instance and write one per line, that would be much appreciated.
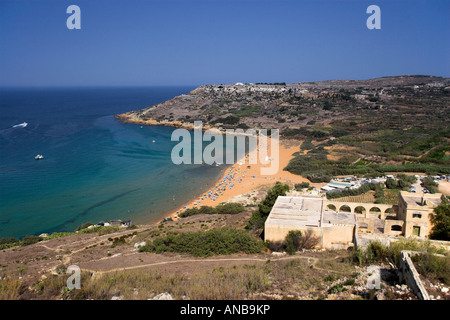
(94, 168)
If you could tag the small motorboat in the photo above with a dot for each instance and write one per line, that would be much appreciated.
(20, 125)
(39, 157)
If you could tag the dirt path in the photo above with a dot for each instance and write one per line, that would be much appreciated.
(310, 259)
(444, 187)
(66, 258)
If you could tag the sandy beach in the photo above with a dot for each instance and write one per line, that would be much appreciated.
(244, 177)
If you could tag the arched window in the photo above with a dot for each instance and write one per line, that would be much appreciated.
(331, 207)
(390, 214)
(375, 210)
(360, 210)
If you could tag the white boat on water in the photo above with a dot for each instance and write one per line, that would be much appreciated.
(20, 125)
(39, 157)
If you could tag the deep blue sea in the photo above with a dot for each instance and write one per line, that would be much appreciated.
(95, 168)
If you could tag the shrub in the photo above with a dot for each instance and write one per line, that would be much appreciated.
(309, 240)
(391, 183)
(329, 278)
(28, 240)
(336, 289)
(352, 192)
(292, 241)
(206, 243)
(440, 218)
(9, 240)
(84, 226)
(433, 266)
(228, 120)
(275, 246)
(430, 184)
(377, 252)
(307, 145)
(228, 208)
(300, 186)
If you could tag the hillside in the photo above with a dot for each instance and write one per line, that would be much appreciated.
(349, 126)
(112, 268)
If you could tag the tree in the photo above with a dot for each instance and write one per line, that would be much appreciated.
(292, 241)
(402, 184)
(430, 185)
(391, 184)
(264, 207)
(309, 240)
(278, 190)
(440, 219)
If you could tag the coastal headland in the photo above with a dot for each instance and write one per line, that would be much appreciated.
(327, 128)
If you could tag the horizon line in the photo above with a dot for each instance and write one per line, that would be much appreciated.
(198, 85)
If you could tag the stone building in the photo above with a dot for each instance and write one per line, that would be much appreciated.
(336, 223)
(334, 230)
(415, 209)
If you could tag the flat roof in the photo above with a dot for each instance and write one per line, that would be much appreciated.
(414, 199)
(340, 218)
(301, 211)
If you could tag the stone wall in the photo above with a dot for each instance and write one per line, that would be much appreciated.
(410, 276)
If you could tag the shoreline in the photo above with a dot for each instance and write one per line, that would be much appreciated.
(237, 179)
(244, 179)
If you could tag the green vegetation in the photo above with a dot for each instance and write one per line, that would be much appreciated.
(307, 145)
(231, 120)
(318, 168)
(101, 230)
(259, 216)
(245, 111)
(429, 183)
(301, 186)
(440, 219)
(432, 266)
(237, 282)
(377, 252)
(84, 226)
(379, 193)
(407, 147)
(206, 243)
(228, 208)
(293, 241)
(9, 242)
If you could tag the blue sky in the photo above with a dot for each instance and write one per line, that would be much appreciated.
(194, 42)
